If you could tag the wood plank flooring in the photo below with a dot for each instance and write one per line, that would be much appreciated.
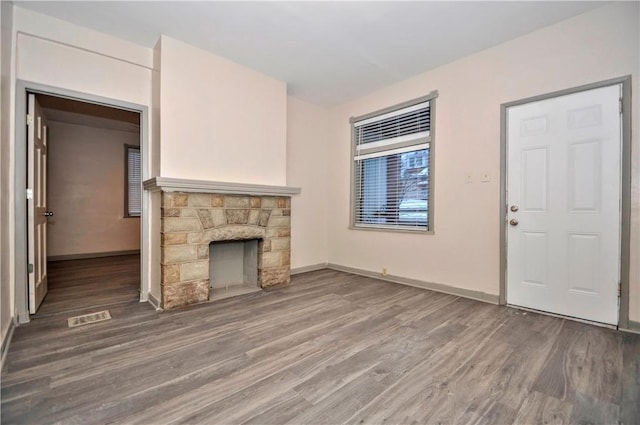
(76, 285)
(332, 348)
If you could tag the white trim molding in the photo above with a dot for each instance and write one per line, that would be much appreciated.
(633, 327)
(437, 287)
(6, 341)
(310, 268)
(170, 184)
(66, 257)
(154, 302)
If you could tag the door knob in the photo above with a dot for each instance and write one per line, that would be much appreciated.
(513, 222)
(48, 213)
(514, 208)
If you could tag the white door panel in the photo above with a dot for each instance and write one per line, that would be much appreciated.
(37, 205)
(563, 255)
(535, 179)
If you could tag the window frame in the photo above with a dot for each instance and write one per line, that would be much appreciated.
(431, 98)
(127, 147)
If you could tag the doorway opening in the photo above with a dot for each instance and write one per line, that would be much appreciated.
(84, 207)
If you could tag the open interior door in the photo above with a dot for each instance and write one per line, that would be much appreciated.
(37, 203)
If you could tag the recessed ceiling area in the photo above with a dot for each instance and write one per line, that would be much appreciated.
(327, 52)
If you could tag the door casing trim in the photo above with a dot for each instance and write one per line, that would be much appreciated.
(625, 239)
(20, 184)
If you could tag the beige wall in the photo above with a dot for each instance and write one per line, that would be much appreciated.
(92, 42)
(464, 251)
(220, 121)
(57, 65)
(307, 134)
(86, 191)
(6, 289)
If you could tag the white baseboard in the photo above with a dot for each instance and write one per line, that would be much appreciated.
(633, 327)
(437, 287)
(6, 342)
(311, 268)
(154, 302)
(91, 255)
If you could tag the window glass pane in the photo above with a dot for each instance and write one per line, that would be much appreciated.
(393, 190)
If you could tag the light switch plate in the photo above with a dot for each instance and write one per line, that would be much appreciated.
(468, 178)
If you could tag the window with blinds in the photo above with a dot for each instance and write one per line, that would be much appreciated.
(392, 167)
(133, 182)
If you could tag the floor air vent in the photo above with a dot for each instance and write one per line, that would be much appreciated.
(87, 319)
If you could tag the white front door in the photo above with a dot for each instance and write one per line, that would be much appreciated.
(37, 203)
(563, 194)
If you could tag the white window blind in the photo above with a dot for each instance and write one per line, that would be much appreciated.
(391, 168)
(134, 182)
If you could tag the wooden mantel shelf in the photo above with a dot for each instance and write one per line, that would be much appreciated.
(170, 184)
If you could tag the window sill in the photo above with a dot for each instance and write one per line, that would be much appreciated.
(392, 230)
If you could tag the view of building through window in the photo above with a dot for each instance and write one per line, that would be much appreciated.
(396, 189)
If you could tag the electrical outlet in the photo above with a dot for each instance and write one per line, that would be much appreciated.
(485, 177)
(468, 178)
(384, 271)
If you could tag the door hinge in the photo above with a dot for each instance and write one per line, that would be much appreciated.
(620, 105)
(30, 268)
(29, 193)
(619, 289)
(29, 119)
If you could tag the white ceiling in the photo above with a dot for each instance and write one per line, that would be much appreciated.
(327, 52)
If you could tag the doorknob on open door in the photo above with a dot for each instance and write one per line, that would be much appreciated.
(513, 222)
(48, 213)
(514, 208)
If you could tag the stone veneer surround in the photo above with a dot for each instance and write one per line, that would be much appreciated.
(191, 221)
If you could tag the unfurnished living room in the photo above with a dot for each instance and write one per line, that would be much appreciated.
(270, 212)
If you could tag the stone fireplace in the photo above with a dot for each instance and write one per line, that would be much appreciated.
(192, 221)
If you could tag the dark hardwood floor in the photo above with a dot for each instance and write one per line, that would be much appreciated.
(332, 348)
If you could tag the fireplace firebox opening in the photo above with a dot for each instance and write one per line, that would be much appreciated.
(233, 268)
